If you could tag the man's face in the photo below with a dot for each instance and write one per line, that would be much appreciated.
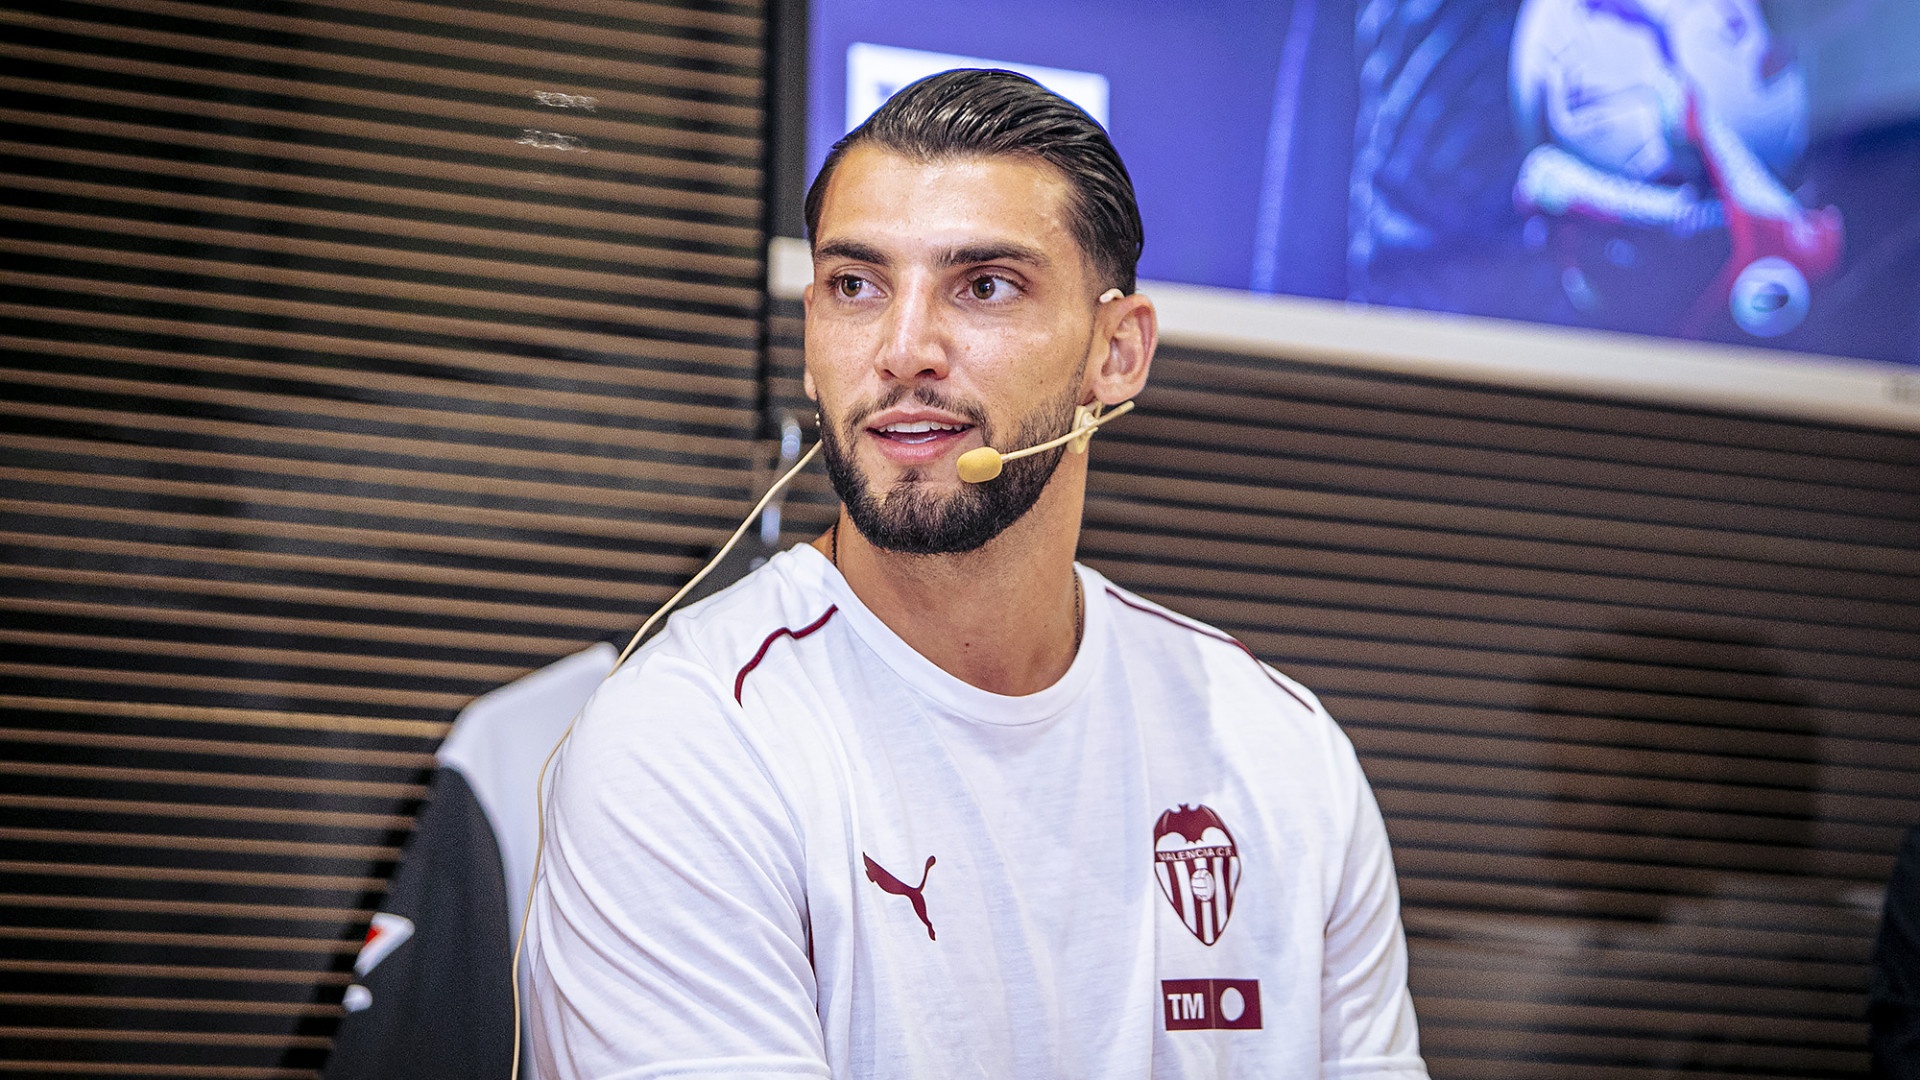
(950, 308)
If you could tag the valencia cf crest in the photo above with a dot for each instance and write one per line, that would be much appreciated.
(1198, 868)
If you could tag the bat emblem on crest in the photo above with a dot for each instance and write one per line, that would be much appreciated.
(1198, 868)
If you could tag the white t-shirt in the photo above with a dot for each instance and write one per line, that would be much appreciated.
(783, 843)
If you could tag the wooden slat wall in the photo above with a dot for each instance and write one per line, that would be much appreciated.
(1636, 685)
(358, 357)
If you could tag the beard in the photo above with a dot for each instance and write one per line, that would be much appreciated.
(911, 517)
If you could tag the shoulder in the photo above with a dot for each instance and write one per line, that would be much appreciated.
(678, 697)
(1153, 629)
(732, 632)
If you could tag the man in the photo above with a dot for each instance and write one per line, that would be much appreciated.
(925, 799)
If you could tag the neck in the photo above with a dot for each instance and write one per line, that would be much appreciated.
(1003, 617)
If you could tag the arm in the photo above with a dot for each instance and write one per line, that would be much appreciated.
(1893, 1001)
(669, 927)
(1367, 1022)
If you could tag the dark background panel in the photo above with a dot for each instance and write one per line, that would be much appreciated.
(354, 359)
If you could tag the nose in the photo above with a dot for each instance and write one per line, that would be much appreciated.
(914, 337)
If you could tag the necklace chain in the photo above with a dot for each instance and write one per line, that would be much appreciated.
(1079, 612)
(1079, 592)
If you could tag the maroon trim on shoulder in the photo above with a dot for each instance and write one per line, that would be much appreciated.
(740, 680)
(1235, 642)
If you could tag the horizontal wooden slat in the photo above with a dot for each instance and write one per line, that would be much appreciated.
(316, 37)
(1615, 427)
(553, 26)
(439, 701)
(450, 394)
(314, 818)
(1787, 1058)
(176, 744)
(1634, 853)
(385, 790)
(338, 883)
(510, 161)
(519, 615)
(1205, 422)
(655, 219)
(442, 455)
(339, 632)
(496, 297)
(285, 345)
(584, 585)
(422, 516)
(1455, 1061)
(1694, 731)
(200, 908)
(290, 849)
(621, 236)
(237, 942)
(179, 971)
(711, 17)
(1422, 612)
(1115, 531)
(1486, 533)
(1527, 776)
(364, 320)
(1462, 861)
(247, 242)
(1551, 1019)
(422, 88)
(196, 1072)
(210, 714)
(615, 592)
(232, 1007)
(1634, 824)
(151, 649)
(191, 1038)
(1498, 924)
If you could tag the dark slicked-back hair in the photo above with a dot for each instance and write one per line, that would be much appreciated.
(985, 113)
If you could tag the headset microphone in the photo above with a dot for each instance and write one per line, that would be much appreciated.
(982, 463)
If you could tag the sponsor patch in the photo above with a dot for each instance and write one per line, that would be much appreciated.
(1210, 1004)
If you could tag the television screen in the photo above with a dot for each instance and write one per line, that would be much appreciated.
(1731, 171)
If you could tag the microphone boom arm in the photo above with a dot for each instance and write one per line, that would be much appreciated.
(983, 463)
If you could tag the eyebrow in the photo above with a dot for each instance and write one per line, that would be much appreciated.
(970, 255)
(997, 251)
(849, 249)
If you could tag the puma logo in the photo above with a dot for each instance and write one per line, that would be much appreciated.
(888, 883)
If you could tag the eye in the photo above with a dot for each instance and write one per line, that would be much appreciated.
(849, 286)
(990, 287)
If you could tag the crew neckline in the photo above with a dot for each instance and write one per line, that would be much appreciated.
(951, 693)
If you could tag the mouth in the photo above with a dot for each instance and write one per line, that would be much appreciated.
(919, 432)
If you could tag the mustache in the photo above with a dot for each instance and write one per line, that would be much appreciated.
(924, 394)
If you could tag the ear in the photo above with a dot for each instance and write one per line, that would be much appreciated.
(1127, 331)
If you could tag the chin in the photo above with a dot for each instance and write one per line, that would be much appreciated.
(918, 516)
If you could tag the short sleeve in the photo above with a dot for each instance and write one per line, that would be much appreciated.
(668, 931)
(1367, 1023)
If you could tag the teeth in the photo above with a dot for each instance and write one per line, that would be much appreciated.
(919, 427)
